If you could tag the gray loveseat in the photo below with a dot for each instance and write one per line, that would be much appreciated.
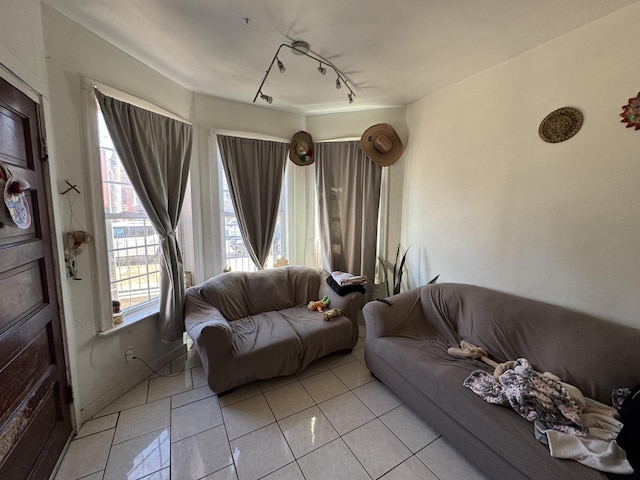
(406, 349)
(256, 325)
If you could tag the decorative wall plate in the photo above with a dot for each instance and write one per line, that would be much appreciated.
(560, 125)
(631, 113)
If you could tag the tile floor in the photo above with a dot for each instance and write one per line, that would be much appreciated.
(332, 421)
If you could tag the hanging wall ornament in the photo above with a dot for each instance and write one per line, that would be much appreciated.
(73, 246)
(5, 215)
(560, 125)
(15, 202)
(631, 113)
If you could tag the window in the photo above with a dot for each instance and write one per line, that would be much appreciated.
(235, 256)
(132, 242)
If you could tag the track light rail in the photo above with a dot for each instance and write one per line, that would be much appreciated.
(301, 48)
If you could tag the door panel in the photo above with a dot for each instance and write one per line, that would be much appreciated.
(16, 282)
(35, 419)
(13, 133)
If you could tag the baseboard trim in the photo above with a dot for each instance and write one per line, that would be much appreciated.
(94, 407)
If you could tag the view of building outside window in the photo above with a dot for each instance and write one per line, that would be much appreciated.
(236, 257)
(132, 242)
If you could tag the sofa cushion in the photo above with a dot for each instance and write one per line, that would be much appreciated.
(430, 381)
(266, 345)
(509, 327)
(240, 294)
(319, 337)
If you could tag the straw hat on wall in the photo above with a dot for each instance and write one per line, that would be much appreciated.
(381, 144)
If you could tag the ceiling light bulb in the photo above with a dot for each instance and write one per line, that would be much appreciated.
(350, 97)
(338, 84)
(321, 69)
(266, 98)
(281, 66)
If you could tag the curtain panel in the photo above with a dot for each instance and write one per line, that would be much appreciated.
(254, 169)
(156, 152)
(348, 185)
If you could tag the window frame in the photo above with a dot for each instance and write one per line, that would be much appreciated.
(281, 224)
(284, 196)
(102, 284)
(140, 236)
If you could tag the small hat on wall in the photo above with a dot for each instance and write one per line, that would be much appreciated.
(301, 149)
(381, 144)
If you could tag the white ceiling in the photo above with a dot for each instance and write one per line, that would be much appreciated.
(392, 52)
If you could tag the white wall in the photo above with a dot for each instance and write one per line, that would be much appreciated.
(72, 52)
(21, 44)
(488, 202)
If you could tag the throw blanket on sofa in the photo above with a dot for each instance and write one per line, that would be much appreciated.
(597, 450)
(572, 426)
(534, 396)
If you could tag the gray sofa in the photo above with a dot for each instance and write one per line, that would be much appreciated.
(256, 325)
(406, 349)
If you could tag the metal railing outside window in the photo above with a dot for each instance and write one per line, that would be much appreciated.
(236, 257)
(132, 242)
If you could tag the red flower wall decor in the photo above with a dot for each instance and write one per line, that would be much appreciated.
(631, 113)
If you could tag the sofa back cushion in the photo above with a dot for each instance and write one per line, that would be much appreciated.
(240, 294)
(591, 353)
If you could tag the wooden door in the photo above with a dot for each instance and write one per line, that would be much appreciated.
(34, 405)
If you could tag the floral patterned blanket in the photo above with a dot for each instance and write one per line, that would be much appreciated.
(533, 395)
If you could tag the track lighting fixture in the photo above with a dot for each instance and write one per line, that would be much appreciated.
(301, 48)
(264, 97)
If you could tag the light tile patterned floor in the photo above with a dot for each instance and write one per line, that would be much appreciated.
(333, 421)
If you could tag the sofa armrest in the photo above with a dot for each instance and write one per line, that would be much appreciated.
(404, 317)
(350, 304)
(207, 327)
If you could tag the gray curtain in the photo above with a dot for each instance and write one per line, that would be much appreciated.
(156, 152)
(254, 170)
(348, 184)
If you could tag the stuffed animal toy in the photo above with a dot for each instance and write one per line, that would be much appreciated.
(319, 305)
(329, 314)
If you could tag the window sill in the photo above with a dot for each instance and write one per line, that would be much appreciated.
(131, 319)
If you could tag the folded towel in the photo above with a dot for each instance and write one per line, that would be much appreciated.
(343, 278)
(343, 290)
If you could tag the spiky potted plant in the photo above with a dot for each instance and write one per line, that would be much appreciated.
(397, 271)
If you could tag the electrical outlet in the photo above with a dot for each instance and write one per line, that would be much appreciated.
(128, 354)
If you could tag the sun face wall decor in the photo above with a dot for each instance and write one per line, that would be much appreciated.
(631, 113)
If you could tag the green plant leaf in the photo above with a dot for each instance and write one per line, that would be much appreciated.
(395, 272)
(397, 283)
